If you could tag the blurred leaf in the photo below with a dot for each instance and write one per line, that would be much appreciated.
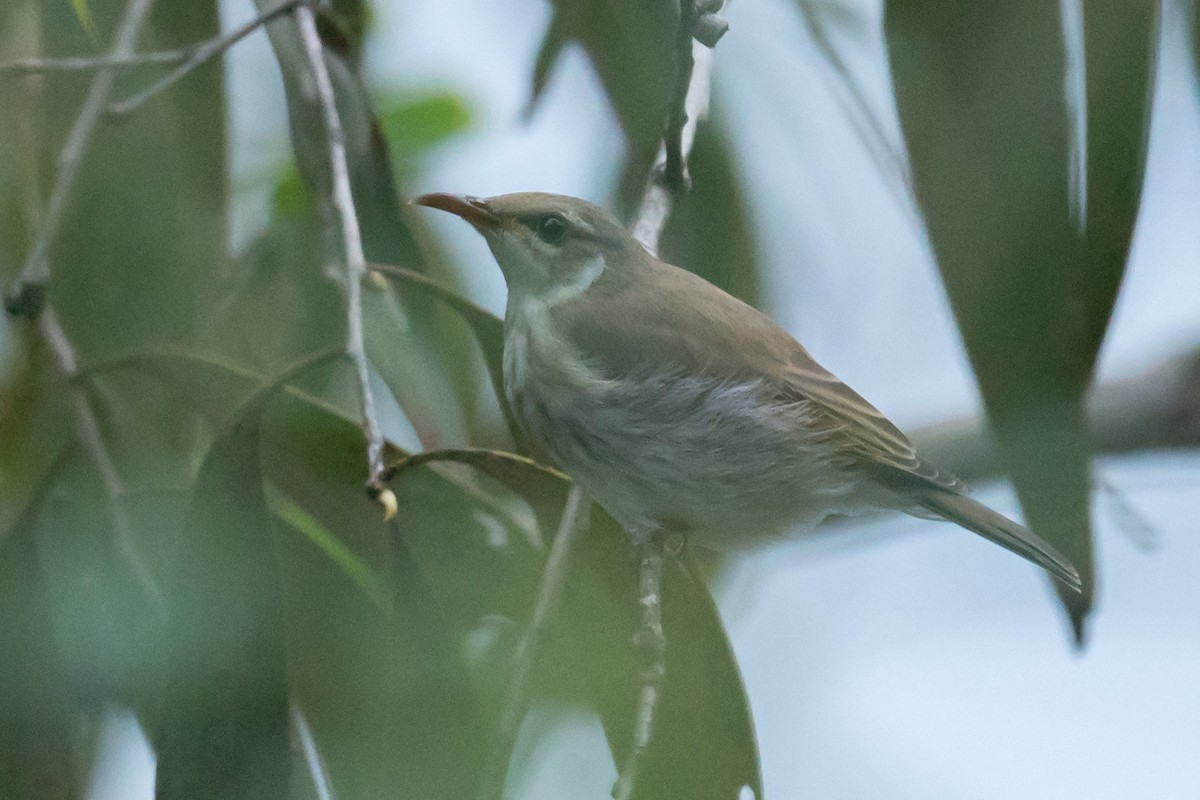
(84, 15)
(35, 426)
(631, 45)
(386, 690)
(980, 92)
(1122, 40)
(224, 729)
(704, 745)
(414, 124)
(355, 568)
(40, 737)
(709, 231)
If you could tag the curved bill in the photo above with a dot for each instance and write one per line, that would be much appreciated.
(472, 209)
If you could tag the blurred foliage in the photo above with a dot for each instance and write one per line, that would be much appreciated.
(1031, 260)
(232, 421)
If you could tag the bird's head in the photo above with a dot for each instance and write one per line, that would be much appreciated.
(549, 246)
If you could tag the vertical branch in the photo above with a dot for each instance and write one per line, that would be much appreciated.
(653, 642)
(574, 522)
(355, 262)
(667, 181)
(698, 19)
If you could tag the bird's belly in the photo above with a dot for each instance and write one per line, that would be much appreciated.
(693, 454)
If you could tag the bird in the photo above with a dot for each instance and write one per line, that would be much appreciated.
(682, 410)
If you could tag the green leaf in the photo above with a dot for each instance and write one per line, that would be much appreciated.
(414, 124)
(704, 745)
(387, 691)
(980, 93)
(366, 578)
(224, 729)
(84, 14)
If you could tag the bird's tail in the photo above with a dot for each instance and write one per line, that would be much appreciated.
(994, 527)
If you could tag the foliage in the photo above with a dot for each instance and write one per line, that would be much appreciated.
(255, 579)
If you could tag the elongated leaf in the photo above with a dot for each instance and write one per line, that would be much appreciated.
(1121, 38)
(980, 89)
(704, 746)
(224, 726)
(386, 689)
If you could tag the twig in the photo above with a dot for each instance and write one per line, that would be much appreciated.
(653, 642)
(199, 54)
(356, 262)
(574, 522)
(687, 111)
(36, 270)
(37, 66)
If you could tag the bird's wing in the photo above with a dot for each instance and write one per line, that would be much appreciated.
(713, 333)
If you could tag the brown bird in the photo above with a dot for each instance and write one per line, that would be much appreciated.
(680, 408)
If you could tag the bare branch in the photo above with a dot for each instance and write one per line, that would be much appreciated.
(200, 54)
(574, 523)
(355, 262)
(36, 270)
(37, 66)
(690, 107)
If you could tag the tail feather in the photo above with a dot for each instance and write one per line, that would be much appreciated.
(994, 527)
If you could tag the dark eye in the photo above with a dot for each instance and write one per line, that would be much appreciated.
(552, 229)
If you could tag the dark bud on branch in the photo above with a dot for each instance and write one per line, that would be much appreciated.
(27, 301)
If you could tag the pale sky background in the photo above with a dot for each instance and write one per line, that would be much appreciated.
(916, 662)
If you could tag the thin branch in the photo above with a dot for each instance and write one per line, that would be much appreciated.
(37, 66)
(198, 55)
(574, 522)
(36, 269)
(356, 262)
(653, 642)
(689, 108)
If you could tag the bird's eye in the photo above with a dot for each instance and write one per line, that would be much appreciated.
(552, 229)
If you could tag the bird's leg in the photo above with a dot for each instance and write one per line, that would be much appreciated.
(652, 646)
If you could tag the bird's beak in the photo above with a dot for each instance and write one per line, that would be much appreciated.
(472, 209)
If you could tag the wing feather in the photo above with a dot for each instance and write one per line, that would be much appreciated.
(715, 334)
